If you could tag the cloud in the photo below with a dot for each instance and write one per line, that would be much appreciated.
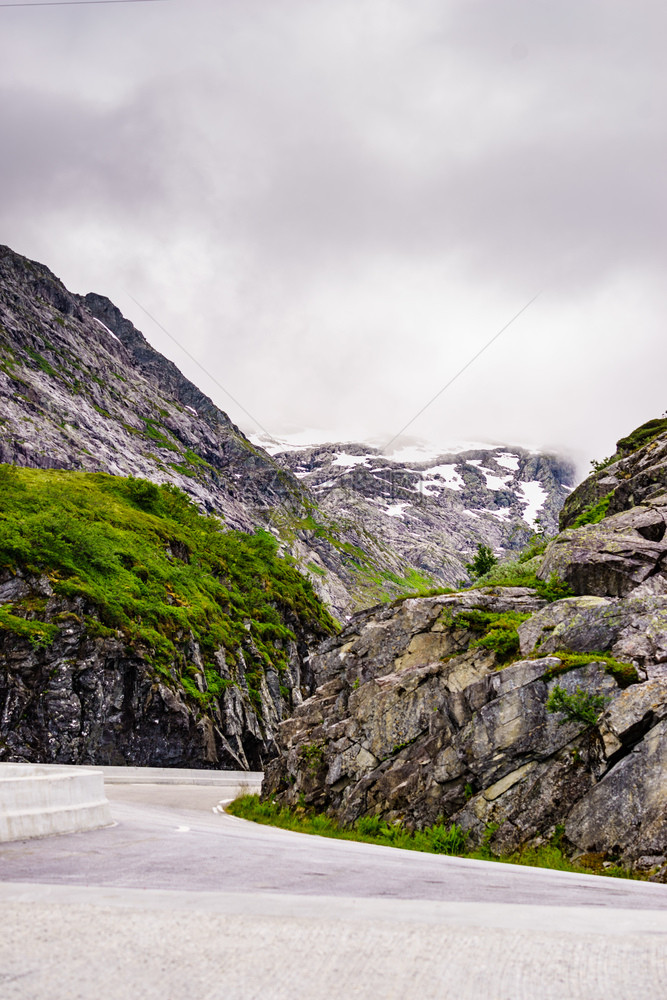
(337, 205)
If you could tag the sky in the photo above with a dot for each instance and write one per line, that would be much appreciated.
(333, 205)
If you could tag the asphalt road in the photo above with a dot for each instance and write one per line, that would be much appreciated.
(181, 900)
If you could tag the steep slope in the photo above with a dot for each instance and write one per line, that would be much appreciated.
(432, 511)
(519, 720)
(135, 630)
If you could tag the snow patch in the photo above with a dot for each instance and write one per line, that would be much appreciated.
(110, 332)
(349, 461)
(192, 410)
(534, 496)
(508, 461)
(396, 509)
(441, 477)
(502, 513)
(494, 482)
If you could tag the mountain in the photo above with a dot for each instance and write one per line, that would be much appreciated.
(81, 388)
(157, 567)
(432, 510)
(529, 711)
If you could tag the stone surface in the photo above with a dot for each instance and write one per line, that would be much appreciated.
(82, 699)
(413, 721)
(610, 558)
(632, 629)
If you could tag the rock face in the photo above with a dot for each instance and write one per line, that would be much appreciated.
(433, 510)
(624, 545)
(81, 388)
(414, 719)
(86, 699)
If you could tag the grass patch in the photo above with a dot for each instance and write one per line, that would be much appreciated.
(147, 564)
(495, 632)
(437, 839)
(594, 513)
(624, 674)
(441, 838)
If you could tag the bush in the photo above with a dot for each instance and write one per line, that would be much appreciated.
(578, 707)
(594, 513)
(482, 562)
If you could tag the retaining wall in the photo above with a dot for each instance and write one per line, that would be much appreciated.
(38, 800)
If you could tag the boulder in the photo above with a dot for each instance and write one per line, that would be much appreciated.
(613, 557)
(632, 629)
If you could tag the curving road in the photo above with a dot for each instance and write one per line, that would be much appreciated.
(179, 899)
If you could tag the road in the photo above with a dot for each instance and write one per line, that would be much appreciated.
(179, 899)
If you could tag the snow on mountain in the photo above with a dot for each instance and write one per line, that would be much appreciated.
(434, 508)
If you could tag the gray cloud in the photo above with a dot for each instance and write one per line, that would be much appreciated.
(336, 205)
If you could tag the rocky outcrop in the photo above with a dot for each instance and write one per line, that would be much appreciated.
(635, 477)
(632, 630)
(615, 555)
(415, 719)
(87, 697)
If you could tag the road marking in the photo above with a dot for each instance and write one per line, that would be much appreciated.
(182, 829)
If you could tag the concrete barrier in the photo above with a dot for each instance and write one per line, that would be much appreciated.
(230, 783)
(38, 800)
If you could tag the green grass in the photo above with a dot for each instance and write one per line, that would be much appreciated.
(441, 838)
(594, 513)
(495, 632)
(624, 674)
(150, 567)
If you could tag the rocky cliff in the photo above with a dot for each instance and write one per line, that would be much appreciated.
(81, 388)
(516, 715)
(134, 630)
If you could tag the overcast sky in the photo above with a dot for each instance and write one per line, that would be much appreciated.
(333, 204)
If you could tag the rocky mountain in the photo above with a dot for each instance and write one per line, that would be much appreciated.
(135, 630)
(432, 510)
(111, 647)
(516, 712)
(81, 388)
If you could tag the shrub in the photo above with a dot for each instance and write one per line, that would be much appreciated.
(483, 561)
(594, 513)
(578, 707)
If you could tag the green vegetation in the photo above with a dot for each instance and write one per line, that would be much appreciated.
(578, 707)
(624, 674)
(152, 432)
(594, 513)
(482, 563)
(437, 839)
(41, 362)
(641, 436)
(497, 632)
(36, 632)
(148, 566)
